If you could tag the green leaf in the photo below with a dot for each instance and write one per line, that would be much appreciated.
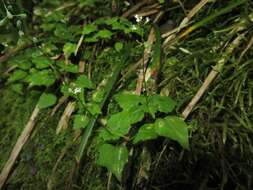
(120, 123)
(98, 95)
(69, 48)
(106, 135)
(135, 114)
(84, 82)
(157, 48)
(42, 62)
(65, 90)
(71, 68)
(120, 26)
(49, 48)
(87, 3)
(17, 75)
(40, 78)
(146, 132)
(113, 158)
(91, 39)
(174, 128)
(22, 63)
(93, 108)
(105, 34)
(46, 100)
(160, 103)
(89, 28)
(80, 121)
(118, 46)
(18, 88)
(108, 21)
(62, 32)
(127, 101)
(3, 21)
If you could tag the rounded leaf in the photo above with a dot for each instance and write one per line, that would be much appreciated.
(80, 121)
(46, 100)
(118, 46)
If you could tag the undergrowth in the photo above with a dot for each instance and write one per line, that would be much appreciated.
(110, 89)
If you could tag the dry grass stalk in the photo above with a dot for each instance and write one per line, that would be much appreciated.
(211, 76)
(60, 102)
(147, 13)
(246, 49)
(133, 9)
(18, 146)
(81, 66)
(64, 121)
(185, 21)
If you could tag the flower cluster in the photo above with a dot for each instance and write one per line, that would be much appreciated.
(75, 91)
(139, 18)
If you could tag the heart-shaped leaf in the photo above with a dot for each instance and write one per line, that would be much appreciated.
(89, 28)
(120, 123)
(174, 128)
(146, 132)
(113, 158)
(84, 82)
(127, 101)
(160, 103)
(105, 34)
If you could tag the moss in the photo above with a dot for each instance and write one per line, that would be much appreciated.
(14, 113)
(40, 154)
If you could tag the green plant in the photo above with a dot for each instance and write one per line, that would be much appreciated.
(63, 37)
(134, 109)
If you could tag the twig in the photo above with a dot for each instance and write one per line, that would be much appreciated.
(246, 49)
(144, 60)
(58, 105)
(212, 75)
(79, 44)
(134, 9)
(109, 181)
(18, 146)
(63, 123)
(64, 6)
(81, 66)
(147, 13)
(13, 52)
(186, 20)
(182, 6)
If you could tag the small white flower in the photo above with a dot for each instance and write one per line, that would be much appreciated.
(133, 27)
(77, 90)
(21, 33)
(147, 20)
(138, 18)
